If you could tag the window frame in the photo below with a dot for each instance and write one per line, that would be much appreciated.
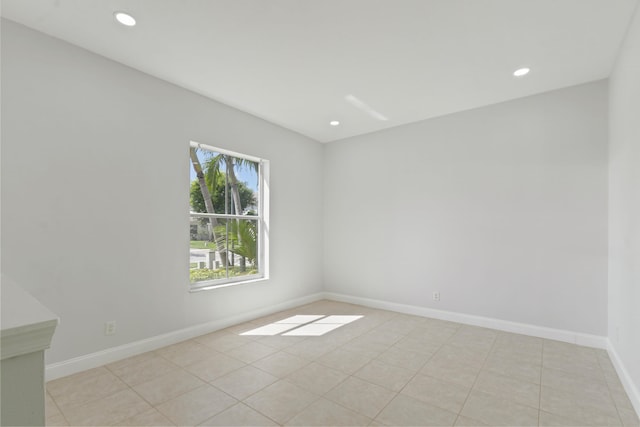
(261, 218)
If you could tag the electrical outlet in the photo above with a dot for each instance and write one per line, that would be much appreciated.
(436, 296)
(110, 327)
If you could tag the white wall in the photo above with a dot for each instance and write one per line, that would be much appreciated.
(95, 195)
(503, 210)
(624, 206)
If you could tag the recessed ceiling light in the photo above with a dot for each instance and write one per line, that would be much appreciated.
(125, 19)
(334, 123)
(520, 72)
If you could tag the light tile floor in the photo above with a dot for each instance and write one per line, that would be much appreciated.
(383, 369)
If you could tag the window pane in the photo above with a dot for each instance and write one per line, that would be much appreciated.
(231, 182)
(242, 246)
(208, 251)
(224, 249)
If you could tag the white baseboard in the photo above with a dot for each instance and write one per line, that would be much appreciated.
(485, 322)
(93, 360)
(625, 378)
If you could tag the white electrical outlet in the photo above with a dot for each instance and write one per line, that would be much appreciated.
(436, 296)
(110, 327)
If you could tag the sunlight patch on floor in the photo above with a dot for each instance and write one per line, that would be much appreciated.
(303, 325)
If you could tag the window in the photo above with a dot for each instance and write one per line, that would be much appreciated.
(228, 229)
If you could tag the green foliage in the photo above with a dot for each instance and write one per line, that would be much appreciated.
(202, 274)
(247, 197)
(202, 244)
(214, 163)
(241, 238)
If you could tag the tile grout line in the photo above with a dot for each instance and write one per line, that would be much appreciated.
(417, 372)
(571, 391)
(344, 380)
(540, 388)
(242, 402)
(189, 391)
(397, 393)
(484, 362)
(76, 406)
(351, 375)
(155, 406)
(353, 410)
(285, 379)
(609, 391)
(57, 406)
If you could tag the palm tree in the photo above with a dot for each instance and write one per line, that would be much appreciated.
(246, 233)
(218, 190)
(208, 202)
(213, 170)
(240, 237)
(238, 232)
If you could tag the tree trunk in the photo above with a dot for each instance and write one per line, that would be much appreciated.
(208, 203)
(235, 191)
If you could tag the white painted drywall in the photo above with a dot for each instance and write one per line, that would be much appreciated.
(503, 210)
(95, 195)
(624, 205)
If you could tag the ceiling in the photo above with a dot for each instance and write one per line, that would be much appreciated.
(302, 63)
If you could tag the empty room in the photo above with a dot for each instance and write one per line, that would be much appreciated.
(320, 212)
